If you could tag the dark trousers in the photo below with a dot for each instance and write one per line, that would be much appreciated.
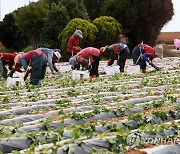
(135, 54)
(39, 64)
(95, 66)
(69, 55)
(3, 70)
(122, 60)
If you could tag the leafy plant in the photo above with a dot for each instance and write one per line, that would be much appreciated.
(62, 103)
(73, 93)
(6, 99)
(46, 123)
(161, 114)
(120, 111)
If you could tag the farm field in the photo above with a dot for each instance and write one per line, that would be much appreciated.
(132, 114)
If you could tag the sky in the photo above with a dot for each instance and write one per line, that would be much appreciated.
(8, 6)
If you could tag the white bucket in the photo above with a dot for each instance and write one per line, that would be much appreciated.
(14, 82)
(133, 69)
(65, 68)
(18, 75)
(111, 70)
(77, 75)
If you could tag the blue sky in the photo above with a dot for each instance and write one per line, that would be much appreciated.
(8, 6)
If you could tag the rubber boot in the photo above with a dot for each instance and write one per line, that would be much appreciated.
(143, 70)
(92, 76)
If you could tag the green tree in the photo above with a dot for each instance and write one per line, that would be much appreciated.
(93, 8)
(108, 30)
(56, 20)
(10, 35)
(30, 19)
(50, 2)
(142, 20)
(75, 8)
(89, 34)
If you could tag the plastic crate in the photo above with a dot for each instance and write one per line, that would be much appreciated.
(65, 68)
(14, 82)
(111, 70)
(133, 69)
(78, 75)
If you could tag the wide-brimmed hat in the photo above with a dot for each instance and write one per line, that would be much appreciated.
(78, 33)
(103, 49)
(57, 50)
(57, 54)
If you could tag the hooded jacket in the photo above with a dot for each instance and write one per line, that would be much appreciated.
(8, 59)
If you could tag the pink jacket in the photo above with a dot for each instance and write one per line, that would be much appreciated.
(29, 55)
(177, 43)
(87, 53)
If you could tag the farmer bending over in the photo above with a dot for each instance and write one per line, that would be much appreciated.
(6, 59)
(143, 53)
(53, 56)
(119, 52)
(88, 58)
(34, 62)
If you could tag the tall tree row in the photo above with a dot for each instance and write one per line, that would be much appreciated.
(10, 35)
(42, 22)
(142, 20)
(30, 19)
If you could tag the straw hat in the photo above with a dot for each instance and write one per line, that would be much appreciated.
(103, 49)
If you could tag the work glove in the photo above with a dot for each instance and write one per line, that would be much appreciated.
(86, 62)
(77, 48)
(157, 68)
(109, 63)
(150, 63)
(29, 68)
(11, 73)
(73, 67)
(89, 67)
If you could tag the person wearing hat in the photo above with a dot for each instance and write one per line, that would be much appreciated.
(6, 59)
(89, 59)
(117, 52)
(143, 53)
(53, 56)
(34, 62)
(73, 43)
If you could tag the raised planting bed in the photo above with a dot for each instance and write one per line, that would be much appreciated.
(111, 114)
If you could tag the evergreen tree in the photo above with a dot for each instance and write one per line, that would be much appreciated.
(142, 20)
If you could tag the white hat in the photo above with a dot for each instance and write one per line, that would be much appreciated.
(78, 33)
(57, 54)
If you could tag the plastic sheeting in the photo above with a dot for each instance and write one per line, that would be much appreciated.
(23, 142)
(164, 149)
